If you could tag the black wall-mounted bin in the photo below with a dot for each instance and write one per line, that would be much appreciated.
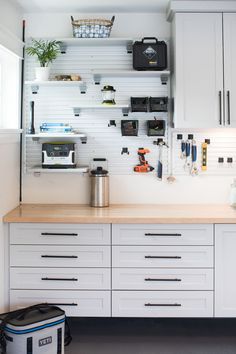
(139, 104)
(156, 127)
(129, 127)
(158, 104)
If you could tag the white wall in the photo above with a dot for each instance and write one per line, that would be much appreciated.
(55, 188)
(10, 19)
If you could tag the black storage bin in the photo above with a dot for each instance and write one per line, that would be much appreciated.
(139, 104)
(150, 54)
(158, 104)
(156, 127)
(129, 127)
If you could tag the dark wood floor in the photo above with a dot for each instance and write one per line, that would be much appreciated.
(152, 336)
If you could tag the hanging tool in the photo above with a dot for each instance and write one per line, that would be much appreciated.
(143, 165)
(171, 178)
(204, 156)
(160, 143)
(183, 149)
(187, 155)
(194, 168)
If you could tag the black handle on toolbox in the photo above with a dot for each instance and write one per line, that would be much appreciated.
(159, 279)
(149, 39)
(61, 304)
(150, 234)
(60, 279)
(57, 234)
(49, 256)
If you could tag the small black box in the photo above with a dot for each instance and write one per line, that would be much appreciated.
(150, 54)
(129, 127)
(139, 104)
(158, 104)
(156, 127)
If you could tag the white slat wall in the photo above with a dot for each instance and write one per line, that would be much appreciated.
(55, 104)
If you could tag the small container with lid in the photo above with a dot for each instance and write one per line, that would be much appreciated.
(99, 183)
(232, 197)
(108, 95)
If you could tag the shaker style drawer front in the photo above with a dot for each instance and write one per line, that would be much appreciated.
(60, 256)
(157, 234)
(162, 256)
(65, 234)
(162, 279)
(60, 278)
(162, 304)
(74, 303)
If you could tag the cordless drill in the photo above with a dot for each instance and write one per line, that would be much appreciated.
(143, 165)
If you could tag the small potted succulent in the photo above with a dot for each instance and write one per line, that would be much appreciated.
(46, 52)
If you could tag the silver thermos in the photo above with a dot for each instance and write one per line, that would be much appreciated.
(99, 187)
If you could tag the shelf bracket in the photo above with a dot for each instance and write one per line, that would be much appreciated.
(83, 140)
(76, 111)
(83, 88)
(63, 48)
(125, 112)
(97, 79)
(129, 47)
(164, 79)
(34, 89)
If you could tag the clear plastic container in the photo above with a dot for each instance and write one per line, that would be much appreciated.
(232, 196)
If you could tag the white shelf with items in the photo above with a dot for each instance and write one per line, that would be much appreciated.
(35, 85)
(93, 42)
(163, 75)
(37, 137)
(37, 170)
(123, 107)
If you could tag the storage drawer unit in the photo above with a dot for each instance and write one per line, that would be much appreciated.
(60, 278)
(162, 279)
(162, 304)
(60, 234)
(162, 256)
(60, 256)
(153, 234)
(75, 303)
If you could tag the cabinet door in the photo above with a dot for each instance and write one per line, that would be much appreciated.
(230, 68)
(225, 271)
(198, 81)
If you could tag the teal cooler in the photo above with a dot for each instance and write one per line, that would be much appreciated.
(37, 329)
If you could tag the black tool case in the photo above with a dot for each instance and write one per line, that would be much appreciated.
(150, 54)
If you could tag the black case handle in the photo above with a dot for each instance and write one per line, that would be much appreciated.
(149, 39)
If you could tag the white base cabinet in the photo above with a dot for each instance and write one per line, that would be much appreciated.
(225, 270)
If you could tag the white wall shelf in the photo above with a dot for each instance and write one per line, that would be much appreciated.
(35, 85)
(37, 170)
(163, 75)
(123, 107)
(93, 42)
(37, 137)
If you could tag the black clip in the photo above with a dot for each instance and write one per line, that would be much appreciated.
(160, 142)
(125, 150)
(112, 123)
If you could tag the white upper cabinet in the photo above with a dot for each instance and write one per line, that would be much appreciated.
(229, 20)
(204, 82)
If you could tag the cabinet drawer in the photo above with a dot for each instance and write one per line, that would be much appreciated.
(60, 256)
(162, 256)
(162, 279)
(60, 278)
(162, 304)
(74, 303)
(65, 234)
(157, 234)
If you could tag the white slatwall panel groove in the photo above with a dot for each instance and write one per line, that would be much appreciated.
(56, 105)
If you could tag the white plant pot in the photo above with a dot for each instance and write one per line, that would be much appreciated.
(42, 73)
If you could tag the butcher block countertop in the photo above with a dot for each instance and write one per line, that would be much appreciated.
(160, 214)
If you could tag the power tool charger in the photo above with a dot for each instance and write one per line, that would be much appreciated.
(38, 329)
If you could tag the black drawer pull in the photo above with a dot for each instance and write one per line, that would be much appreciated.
(57, 234)
(164, 257)
(49, 256)
(61, 304)
(162, 305)
(158, 279)
(60, 279)
(150, 234)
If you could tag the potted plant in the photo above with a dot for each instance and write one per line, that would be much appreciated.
(46, 52)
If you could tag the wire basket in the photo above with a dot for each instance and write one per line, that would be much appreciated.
(92, 28)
